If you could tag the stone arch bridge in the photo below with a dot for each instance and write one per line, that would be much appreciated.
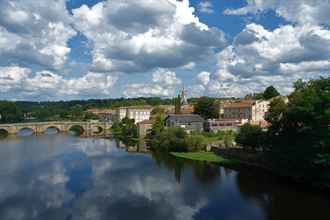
(89, 128)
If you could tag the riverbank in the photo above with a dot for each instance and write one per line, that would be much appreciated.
(258, 160)
(205, 156)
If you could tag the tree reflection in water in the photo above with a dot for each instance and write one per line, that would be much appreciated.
(205, 172)
(280, 203)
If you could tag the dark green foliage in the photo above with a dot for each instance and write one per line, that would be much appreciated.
(3, 133)
(300, 85)
(10, 112)
(195, 142)
(153, 137)
(207, 108)
(126, 131)
(299, 137)
(251, 136)
(270, 92)
(171, 139)
(68, 110)
(177, 105)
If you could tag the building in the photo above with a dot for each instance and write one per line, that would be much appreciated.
(189, 122)
(168, 109)
(107, 115)
(144, 127)
(248, 111)
(187, 109)
(138, 113)
(214, 125)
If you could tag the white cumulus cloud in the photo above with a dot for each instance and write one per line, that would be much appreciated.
(164, 83)
(151, 34)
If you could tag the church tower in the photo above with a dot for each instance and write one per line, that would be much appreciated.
(184, 93)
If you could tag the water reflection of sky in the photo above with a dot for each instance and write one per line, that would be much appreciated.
(64, 177)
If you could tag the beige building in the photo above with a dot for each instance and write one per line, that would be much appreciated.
(144, 127)
(138, 113)
(248, 111)
(107, 115)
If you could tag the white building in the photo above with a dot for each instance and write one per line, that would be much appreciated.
(138, 113)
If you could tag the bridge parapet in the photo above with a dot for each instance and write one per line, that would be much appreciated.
(89, 128)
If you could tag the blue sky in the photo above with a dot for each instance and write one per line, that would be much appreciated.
(81, 49)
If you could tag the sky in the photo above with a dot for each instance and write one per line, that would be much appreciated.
(93, 49)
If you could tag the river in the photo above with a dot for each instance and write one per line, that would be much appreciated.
(62, 177)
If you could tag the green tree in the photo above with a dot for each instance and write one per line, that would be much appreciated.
(300, 85)
(195, 142)
(270, 92)
(10, 112)
(250, 136)
(207, 108)
(299, 137)
(277, 109)
(157, 111)
(76, 113)
(126, 131)
(153, 136)
(177, 105)
(170, 139)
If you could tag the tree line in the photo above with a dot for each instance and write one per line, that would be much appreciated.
(297, 142)
(20, 111)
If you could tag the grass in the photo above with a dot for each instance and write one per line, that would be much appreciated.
(204, 156)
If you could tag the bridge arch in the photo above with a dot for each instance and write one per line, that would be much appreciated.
(26, 131)
(77, 129)
(98, 129)
(3, 132)
(47, 128)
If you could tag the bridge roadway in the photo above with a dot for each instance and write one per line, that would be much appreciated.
(90, 128)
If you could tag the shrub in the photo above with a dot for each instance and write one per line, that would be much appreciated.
(250, 136)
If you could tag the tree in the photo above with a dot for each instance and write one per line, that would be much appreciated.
(270, 92)
(126, 131)
(276, 111)
(250, 136)
(207, 108)
(300, 85)
(172, 140)
(195, 142)
(153, 136)
(10, 112)
(157, 111)
(299, 137)
(177, 105)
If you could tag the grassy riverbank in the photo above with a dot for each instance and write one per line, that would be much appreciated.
(204, 156)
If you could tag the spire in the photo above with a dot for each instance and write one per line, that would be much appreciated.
(184, 96)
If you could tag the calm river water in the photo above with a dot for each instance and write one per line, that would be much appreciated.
(59, 177)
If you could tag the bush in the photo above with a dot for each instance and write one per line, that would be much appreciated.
(172, 139)
(250, 136)
(195, 142)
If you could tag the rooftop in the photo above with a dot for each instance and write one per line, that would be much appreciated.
(137, 107)
(240, 104)
(186, 118)
(146, 122)
(100, 111)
